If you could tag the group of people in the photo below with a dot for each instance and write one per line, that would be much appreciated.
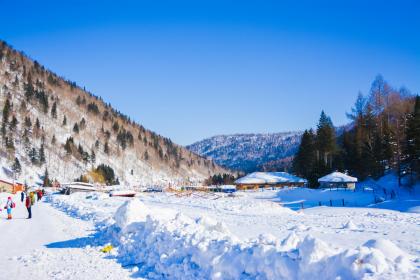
(31, 198)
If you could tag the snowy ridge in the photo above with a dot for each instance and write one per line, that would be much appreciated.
(164, 243)
(248, 152)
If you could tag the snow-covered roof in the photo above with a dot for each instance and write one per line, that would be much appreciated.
(337, 177)
(269, 178)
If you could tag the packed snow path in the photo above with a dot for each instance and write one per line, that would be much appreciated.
(51, 245)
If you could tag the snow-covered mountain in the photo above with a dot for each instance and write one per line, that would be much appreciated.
(52, 123)
(249, 152)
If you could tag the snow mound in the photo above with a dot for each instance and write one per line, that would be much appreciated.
(130, 212)
(389, 249)
(350, 226)
(167, 244)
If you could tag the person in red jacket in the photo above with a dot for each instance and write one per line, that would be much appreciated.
(28, 205)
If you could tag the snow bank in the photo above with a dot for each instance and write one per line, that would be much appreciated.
(168, 244)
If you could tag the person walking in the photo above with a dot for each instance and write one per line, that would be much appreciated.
(28, 205)
(9, 205)
(22, 196)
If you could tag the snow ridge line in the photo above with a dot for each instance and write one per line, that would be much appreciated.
(167, 244)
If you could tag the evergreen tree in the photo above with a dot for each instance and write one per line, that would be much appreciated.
(13, 123)
(42, 154)
(6, 112)
(82, 124)
(46, 182)
(54, 110)
(92, 157)
(33, 156)
(413, 139)
(68, 146)
(37, 124)
(16, 167)
(28, 122)
(64, 120)
(106, 148)
(76, 128)
(305, 158)
(326, 144)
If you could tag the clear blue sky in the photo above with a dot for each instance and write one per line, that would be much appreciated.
(193, 69)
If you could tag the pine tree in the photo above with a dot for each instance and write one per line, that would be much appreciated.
(46, 181)
(92, 157)
(37, 124)
(413, 139)
(82, 124)
(69, 145)
(326, 144)
(64, 120)
(76, 128)
(33, 156)
(16, 167)
(106, 148)
(13, 124)
(6, 112)
(54, 110)
(28, 122)
(305, 158)
(42, 154)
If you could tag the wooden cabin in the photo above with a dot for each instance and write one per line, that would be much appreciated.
(338, 180)
(10, 186)
(258, 180)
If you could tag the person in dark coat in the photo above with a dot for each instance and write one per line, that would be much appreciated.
(28, 205)
(22, 196)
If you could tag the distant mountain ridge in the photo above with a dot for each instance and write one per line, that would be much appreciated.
(249, 152)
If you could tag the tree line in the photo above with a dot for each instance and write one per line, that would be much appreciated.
(383, 136)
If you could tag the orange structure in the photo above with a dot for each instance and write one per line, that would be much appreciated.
(10, 187)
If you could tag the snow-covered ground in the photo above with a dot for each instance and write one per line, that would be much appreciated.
(52, 245)
(217, 236)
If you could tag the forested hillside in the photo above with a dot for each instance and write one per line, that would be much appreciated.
(250, 152)
(384, 135)
(51, 125)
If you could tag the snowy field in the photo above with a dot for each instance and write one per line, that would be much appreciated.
(207, 236)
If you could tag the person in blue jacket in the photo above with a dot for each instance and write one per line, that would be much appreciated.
(9, 206)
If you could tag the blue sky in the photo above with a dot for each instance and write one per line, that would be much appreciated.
(193, 69)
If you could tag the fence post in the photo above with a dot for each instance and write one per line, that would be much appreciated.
(320, 204)
(330, 202)
(343, 202)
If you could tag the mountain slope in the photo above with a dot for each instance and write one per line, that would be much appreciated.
(51, 123)
(248, 152)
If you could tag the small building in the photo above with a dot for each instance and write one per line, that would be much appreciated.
(10, 186)
(338, 180)
(258, 180)
(69, 188)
